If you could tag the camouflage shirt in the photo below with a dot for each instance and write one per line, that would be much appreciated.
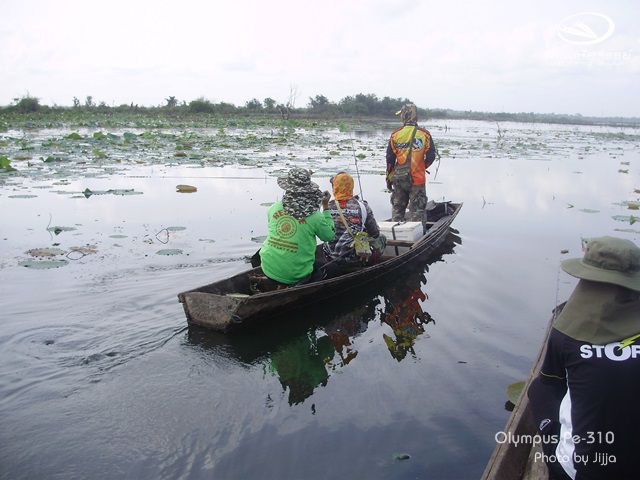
(339, 248)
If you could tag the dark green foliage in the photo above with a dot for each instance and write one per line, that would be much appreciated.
(28, 104)
(201, 105)
(319, 107)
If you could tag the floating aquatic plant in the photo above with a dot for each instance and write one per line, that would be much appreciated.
(169, 251)
(45, 252)
(514, 391)
(118, 191)
(626, 218)
(43, 264)
(58, 230)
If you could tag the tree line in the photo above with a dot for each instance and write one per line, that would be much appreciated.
(359, 105)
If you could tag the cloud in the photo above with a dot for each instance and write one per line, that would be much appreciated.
(482, 56)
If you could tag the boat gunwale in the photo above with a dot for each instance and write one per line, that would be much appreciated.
(441, 224)
(516, 461)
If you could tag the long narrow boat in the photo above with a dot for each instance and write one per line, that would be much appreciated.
(247, 298)
(516, 460)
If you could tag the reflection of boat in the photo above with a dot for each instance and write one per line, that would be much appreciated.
(234, 302)
(515, 460)
(305, 353)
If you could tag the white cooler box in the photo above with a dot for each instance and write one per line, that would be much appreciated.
(409, 231)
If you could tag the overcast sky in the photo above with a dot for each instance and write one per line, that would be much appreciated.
(547, 56)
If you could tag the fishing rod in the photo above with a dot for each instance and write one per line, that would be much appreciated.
(355, 159)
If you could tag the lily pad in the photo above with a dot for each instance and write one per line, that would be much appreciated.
(626, 218)
(169, 251)
(514, 391)
(118, 236)
(176, 229)
(186, 189)
(57, 230)
(45, 252)
(401, 456)
(124, 191)
(22, 196)
(43, 264)
(119, 191)
(85, 250)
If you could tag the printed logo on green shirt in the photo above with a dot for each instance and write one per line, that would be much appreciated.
(286, 227)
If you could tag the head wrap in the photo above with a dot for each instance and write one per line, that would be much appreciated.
(342, 186)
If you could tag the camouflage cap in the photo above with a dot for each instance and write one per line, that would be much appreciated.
(409, 114)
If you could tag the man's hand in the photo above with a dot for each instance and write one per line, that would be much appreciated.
(325, 200)
(389, 186)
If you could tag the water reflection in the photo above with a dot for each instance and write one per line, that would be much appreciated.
(303, 353)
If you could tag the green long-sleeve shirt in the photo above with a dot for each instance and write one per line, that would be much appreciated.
(288, 253)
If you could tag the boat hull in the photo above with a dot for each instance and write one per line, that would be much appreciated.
(231, 303)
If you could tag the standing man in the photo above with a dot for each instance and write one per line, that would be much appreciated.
(409, 153)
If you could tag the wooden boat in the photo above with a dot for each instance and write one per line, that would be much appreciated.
(516, 461)
(247, 298)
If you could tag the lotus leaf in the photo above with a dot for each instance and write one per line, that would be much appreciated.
(58, 229)
(43, 264)
(514, 391)
(169, 251)
(45, 252)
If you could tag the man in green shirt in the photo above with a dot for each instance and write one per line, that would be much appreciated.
(288, 254)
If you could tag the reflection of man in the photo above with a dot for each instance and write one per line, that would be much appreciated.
(301, 366)
(406, 318)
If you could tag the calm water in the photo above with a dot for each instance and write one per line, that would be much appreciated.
(101, 378)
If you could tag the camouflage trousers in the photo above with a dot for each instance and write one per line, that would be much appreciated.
(415, 199)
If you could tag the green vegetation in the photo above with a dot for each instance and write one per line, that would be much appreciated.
(319, 107)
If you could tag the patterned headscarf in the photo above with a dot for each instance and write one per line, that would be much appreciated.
(302, 196)
(409, 114)
(342, 186)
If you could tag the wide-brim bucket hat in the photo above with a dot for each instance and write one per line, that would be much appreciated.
(608, 260)
(301, 196)
(298, 180)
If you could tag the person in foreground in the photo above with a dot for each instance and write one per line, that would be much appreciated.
(410, 152)
(352, 217)
(289, 251)
(585, 399)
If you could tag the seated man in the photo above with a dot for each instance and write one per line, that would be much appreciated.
(288, 254)
(352, 216)
(585, 399)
